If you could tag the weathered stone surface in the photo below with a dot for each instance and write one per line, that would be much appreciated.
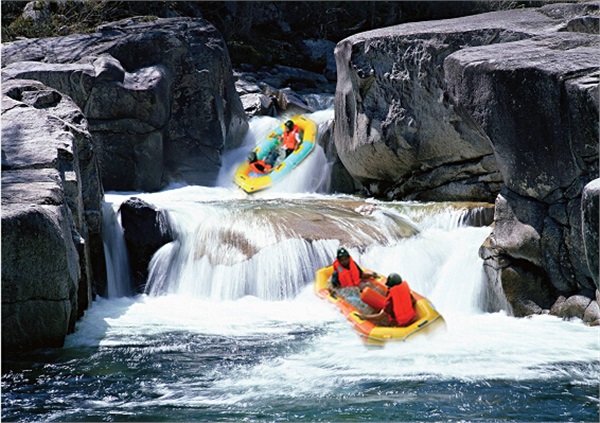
(40, 276)
(258, 104)
(571, 307)
(520, 287)
(171, 76)
(396, 125)
(537, 101)
(590, 210)
(145, 228)
(51, 197)
(591, 315)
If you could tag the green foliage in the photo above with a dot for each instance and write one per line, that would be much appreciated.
(67, 17)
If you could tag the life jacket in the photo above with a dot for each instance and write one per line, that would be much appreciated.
(347, 277)
(403, 309)
(289, 138)
(259, 166)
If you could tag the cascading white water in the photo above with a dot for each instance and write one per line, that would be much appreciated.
(118, 274)
(226, 248)
(225, 253)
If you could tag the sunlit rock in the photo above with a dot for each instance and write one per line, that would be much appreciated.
(52, 253)
(159, 94)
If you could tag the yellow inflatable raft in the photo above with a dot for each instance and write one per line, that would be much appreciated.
(255, 176)
(429, 320)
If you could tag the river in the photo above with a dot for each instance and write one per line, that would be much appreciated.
(229, 327)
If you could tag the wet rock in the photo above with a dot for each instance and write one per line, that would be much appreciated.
(145, 229)
(573, 307)
(168, 81)
(536, 100)
(590, 209)
(591, 315)
(52, 258)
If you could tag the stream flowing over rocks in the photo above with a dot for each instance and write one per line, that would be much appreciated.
(497, 107)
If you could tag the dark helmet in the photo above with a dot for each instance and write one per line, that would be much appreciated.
(289, 125)
(342, 252)
(393, 279)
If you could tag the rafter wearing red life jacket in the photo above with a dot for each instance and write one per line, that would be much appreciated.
(399, 305)
(289, 138)
(347, 277)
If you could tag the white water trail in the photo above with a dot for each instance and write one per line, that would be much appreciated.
(118, 274)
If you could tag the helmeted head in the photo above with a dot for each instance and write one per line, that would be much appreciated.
(342, 252)
(343, 257)
(289, 125)
(393, 279)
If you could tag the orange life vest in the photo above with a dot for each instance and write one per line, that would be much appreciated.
(259, 166)
(347, 277)
(402, 305)
(289, 138)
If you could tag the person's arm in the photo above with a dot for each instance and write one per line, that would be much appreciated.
(335, 279)
(371, 316)
(364, 275)
(387, 309)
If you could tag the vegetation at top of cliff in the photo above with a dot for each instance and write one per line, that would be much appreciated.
(256, 31)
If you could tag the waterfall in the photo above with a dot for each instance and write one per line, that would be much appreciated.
(118, 276)
(227, 250)
(225, 253)
(229, 245)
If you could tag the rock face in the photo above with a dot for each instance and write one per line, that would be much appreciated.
(503, 105)
(537, 100)
(146, 229)
(590, 210)
(158, 94)
(396, 130)
(51, 216)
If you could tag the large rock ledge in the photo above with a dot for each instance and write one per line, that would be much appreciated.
(537, 100)
(503, 104)
(158, 94)
(51, 216)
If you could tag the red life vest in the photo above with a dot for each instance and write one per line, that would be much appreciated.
(347, 277)
(289, 138)
(259, 166)
(402, 306)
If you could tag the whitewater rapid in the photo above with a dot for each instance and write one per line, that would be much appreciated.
(230, 333)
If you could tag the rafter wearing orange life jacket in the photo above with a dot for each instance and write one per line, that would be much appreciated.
(347, 277)
(290, 141)
(399, 305)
